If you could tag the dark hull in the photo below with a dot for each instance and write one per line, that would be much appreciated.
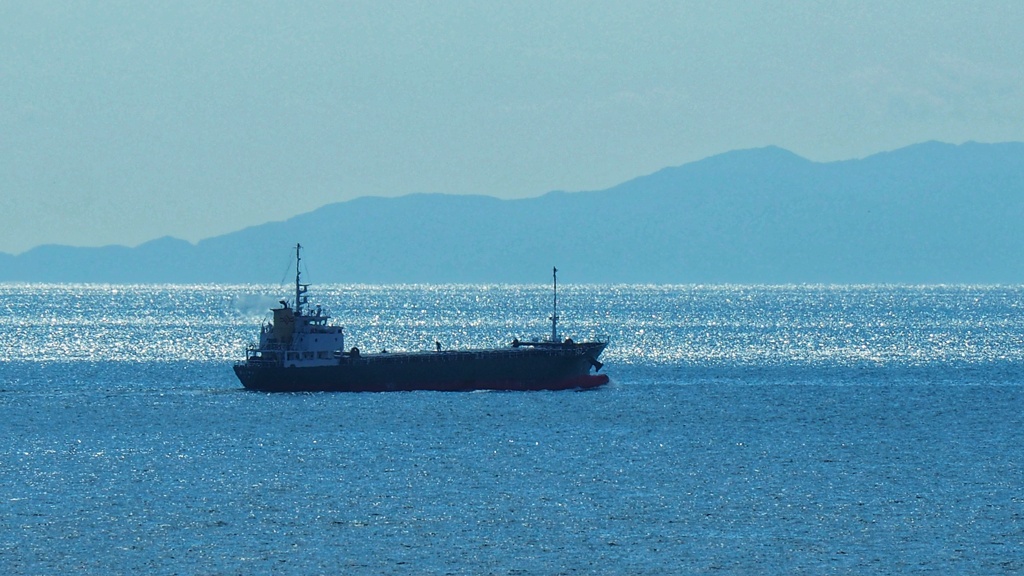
(525, 368)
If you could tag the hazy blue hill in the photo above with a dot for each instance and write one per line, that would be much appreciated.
(927, 213)
(161, 260)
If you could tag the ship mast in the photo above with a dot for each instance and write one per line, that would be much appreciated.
(300, 289)
(554, 307)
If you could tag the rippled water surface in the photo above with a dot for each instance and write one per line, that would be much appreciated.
(844, 430)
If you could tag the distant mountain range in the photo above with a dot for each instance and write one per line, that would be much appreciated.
(928, 213)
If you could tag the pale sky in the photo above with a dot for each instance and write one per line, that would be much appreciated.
(121, 122)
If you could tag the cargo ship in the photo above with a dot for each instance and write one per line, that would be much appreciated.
(301, 350)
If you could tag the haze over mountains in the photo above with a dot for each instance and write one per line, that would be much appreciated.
(928, 213)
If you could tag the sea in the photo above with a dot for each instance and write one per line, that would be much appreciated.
(745, 430)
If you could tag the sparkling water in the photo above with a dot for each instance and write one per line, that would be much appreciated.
(769, 430)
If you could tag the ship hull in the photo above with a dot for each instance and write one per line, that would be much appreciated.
(524, 368)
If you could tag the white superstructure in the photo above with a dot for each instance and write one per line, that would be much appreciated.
(297, 337)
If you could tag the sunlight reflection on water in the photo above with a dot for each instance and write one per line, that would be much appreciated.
(681, 325)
